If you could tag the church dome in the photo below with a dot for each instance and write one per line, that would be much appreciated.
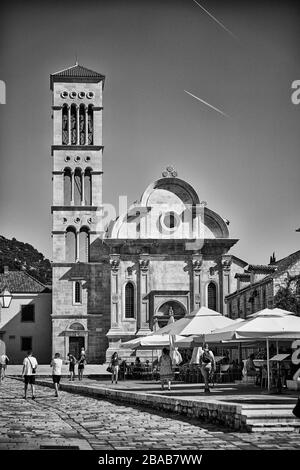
(169, 208)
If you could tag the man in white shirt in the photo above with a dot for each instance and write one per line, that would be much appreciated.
(3, 365)
(29, 369)
(56, 365)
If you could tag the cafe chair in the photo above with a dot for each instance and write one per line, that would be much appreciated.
(223, 372)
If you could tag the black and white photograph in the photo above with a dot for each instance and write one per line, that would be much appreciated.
(150, 231)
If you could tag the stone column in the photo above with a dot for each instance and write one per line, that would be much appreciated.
(82, 187)
(77, 245)
(115, 294)
(72, 187)
(143, 320)
(86, 127)
(77, 125)
(196, 297)
(226, 277)
(69, 125)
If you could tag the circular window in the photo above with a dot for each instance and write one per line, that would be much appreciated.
(72, 94)
(67, 159)
(77, 159)
(64, 94)
(170, 221)
(90, 94)
(77, 220)
(81, 94)
(87, 159)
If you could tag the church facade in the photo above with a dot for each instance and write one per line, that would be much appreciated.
(168, 254)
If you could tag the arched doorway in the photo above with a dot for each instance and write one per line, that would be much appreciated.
(76, 339)
(168, 309)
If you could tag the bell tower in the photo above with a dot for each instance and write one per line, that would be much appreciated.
(77, 201)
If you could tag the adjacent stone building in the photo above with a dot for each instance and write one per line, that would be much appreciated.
(258, 285)
(167, 254)
(26, 323)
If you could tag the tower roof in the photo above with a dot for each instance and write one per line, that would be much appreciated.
(76, 73)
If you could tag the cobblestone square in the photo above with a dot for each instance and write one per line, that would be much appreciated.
(89, 423)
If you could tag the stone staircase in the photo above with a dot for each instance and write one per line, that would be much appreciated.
(269, 418)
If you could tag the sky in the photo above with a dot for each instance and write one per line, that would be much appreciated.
(241, 155)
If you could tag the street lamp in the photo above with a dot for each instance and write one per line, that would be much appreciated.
(5, 298)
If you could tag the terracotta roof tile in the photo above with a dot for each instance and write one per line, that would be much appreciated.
(78, 71)
(244, 276)
(264, 268)
(20, 281)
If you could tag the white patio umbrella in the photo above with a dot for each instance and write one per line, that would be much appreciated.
(155, 325)
(199, 322)
(174, 353)
(197, 352)
(151, 342)
(267, 324)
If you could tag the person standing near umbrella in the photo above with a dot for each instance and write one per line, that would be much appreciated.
(81, 365)
(114, 364)
(207, 361)
(165, 371)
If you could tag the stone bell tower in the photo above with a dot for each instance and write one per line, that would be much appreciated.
(77, 207)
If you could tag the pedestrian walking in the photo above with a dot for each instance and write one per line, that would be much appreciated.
(81, 365)
(72, 362)
(3, 366)
(56, 365)
(165, 369)
(114, 364)
(207, 361)
(250, 369)
(30, 365)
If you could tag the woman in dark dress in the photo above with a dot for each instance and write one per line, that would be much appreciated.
(114, 363)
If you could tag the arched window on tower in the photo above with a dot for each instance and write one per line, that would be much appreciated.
(70, 245)
(73, 125)
(88, 187)
(84, 242)
(212, 296)
(77, 293)
(77, 187)
(129, 300)
(90, 125)
(82, 124)
(65, 125)
(67, 187)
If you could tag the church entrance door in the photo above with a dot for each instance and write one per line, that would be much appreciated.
(75, 345)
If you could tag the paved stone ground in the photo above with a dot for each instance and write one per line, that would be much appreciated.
(88, 423)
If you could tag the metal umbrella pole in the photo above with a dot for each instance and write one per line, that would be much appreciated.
(268, 363)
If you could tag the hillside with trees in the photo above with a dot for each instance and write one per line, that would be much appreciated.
(23, 256)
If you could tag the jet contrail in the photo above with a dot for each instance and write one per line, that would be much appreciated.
(215, 19)
(207, 104)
